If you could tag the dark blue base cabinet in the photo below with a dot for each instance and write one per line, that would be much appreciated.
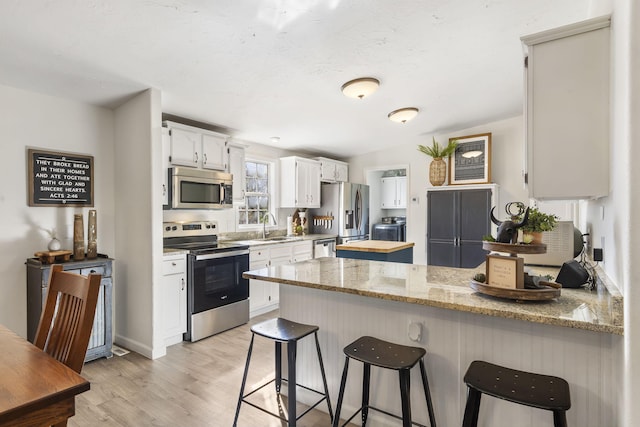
(101, 341)
(402, 255)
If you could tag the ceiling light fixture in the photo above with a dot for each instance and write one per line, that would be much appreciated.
(403, 115)
(360, 88)
(275, 139)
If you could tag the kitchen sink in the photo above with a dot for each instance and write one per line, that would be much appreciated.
(282, 238)
(273, 239)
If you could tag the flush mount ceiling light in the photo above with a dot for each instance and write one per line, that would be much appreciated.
(275, 139)
(403, 115)
(360, 88)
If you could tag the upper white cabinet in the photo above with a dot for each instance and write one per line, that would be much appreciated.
(333, 170)
(394, 192)
(567, 111)
(236, 168)
(299, 183)
(197, 147)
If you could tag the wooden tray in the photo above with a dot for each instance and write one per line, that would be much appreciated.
(49, 257)
(551, 291)
(515, 248)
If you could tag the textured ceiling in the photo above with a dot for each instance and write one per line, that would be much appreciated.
(263, 68)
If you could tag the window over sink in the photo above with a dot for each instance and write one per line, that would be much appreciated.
(257, 199)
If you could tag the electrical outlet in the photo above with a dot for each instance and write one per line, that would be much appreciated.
(415, 331)
(597, 254)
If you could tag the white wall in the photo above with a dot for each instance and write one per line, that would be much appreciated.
(507, 153)
(138, 233)
(33, 120)
(614, 220)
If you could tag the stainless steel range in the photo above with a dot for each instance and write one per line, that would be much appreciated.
(217, 294)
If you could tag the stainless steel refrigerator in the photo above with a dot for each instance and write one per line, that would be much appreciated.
(348, 204)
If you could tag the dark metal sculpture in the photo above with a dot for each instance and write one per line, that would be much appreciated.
(508, 230)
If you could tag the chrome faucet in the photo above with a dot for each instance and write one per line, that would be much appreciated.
(265, 219)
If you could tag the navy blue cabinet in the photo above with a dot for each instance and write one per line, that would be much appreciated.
(456, 222)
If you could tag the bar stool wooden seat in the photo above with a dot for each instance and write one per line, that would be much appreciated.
(376, 352)
(284, 331)
(535, 390)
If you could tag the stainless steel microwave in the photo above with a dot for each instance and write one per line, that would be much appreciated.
(199, 189)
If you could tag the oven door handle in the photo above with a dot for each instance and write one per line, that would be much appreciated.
(222, 254)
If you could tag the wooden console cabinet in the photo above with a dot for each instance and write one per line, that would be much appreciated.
(101, 340)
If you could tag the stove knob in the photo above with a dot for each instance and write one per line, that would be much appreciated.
(174, 228)
(167, 228)
(208, 225)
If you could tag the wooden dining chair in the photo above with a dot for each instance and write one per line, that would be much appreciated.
(67, 319)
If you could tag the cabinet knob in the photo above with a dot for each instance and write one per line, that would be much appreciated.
(173, 263)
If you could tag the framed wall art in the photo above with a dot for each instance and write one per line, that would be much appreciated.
(471, 162)
(57, 178)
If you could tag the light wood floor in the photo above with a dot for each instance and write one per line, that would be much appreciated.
(195, 384)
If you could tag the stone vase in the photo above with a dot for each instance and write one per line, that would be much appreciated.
(437, 171)
(78, 237)
(92, 235)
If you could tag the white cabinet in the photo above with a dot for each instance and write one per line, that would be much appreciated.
(394, 192)
(265, 296)
(299, 183)
(333, 170)
(196, 147)
(567, 111)
(166, 143)
(301, 251)
(237, 169)
(174, 298)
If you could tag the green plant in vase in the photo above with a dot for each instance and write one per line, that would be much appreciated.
(537, 223)
(438, 167)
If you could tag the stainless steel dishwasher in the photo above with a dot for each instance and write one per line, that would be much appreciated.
(324, 248)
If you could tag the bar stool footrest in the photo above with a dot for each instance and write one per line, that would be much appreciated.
(244, 399)
(379, 410)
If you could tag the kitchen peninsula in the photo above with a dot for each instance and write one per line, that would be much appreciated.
(577, 337)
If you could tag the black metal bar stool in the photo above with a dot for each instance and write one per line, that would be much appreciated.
(375, 352)
(535, 390)
(284, 331)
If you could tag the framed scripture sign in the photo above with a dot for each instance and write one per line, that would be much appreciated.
(471, 162)
(59, 179)
(505, 271)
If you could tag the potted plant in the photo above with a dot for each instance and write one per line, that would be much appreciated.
(438, 167)
(537, 223)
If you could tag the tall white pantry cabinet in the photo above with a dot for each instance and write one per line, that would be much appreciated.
(567, 111)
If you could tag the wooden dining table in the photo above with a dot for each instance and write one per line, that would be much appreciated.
(35, 389)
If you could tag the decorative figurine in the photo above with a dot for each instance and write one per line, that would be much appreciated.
(508, 230)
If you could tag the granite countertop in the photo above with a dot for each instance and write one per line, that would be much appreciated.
(277, 239)
(448, 288)
(172, 251)
(380, 246)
